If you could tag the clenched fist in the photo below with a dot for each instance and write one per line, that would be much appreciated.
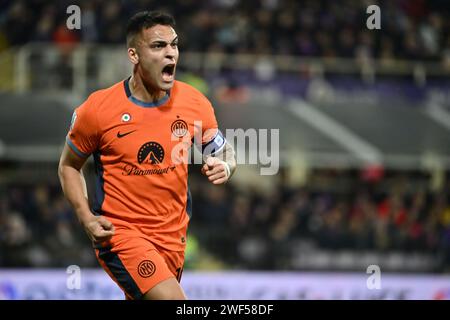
(217, 171)
(99, 229)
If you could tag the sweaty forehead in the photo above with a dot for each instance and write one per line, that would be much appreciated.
(159, 33)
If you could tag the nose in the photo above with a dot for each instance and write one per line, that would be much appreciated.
(171, 52)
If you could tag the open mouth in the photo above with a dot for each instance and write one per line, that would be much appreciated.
(168, 72)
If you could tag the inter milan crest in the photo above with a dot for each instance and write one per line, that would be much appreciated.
(146, 268)
(179, 128)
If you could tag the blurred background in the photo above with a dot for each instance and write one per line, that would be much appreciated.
(364, 125)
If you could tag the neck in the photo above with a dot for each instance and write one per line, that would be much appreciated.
(142, 91)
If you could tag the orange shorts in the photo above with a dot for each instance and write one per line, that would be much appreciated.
(137, 265)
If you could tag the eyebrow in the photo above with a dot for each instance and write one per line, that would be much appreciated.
(164, 42)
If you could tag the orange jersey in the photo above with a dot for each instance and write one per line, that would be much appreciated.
(141, 186)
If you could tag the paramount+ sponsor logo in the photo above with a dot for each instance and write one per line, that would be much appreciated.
(149, 153)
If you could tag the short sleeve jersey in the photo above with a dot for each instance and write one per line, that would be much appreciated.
(140, 155)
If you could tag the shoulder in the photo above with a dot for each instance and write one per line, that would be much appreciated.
(95, 107)
(97, 98)
(186, 91)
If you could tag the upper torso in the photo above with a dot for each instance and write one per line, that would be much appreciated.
(139, 152)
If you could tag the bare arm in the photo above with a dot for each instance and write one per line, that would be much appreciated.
(215, 168)
(98, 228)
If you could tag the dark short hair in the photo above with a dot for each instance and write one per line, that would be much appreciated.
(144, 20)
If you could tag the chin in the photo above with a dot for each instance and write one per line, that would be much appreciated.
(167, 86)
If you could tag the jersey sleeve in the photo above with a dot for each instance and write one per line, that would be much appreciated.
(213, 140)
(83, 138)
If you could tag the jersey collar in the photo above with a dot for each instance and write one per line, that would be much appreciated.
(141, 103)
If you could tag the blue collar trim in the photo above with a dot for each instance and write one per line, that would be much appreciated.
(140, 103)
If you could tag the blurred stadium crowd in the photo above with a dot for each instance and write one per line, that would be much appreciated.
(412, 29)
(336, 210)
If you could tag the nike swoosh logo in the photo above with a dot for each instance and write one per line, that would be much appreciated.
(121, 135)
